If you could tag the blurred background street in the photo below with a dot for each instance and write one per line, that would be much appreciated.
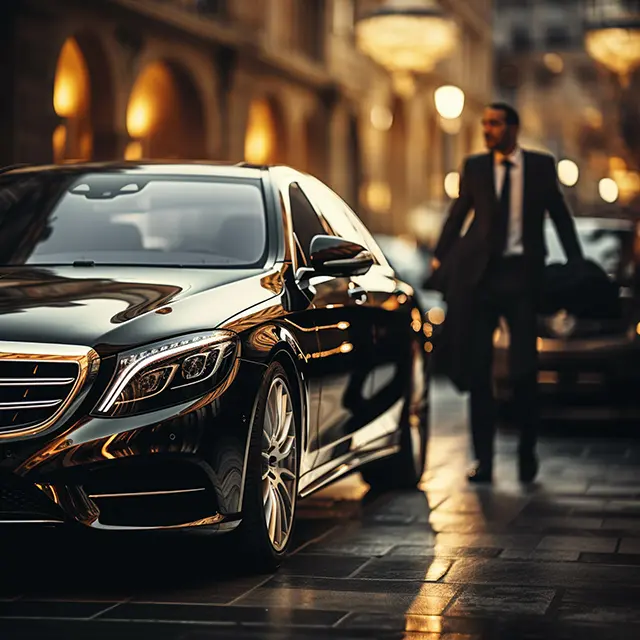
(381, 100)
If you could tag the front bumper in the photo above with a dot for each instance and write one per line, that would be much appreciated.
(179, 467)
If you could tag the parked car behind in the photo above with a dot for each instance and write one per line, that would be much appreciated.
(589, 357)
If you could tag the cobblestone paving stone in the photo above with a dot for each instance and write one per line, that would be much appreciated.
(558, 561)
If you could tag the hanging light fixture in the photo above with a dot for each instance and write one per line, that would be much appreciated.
(406, 37)
(612, 35)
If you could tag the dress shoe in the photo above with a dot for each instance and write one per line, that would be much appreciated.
(481, 473)
(528, 468)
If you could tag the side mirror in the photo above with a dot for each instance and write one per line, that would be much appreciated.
(333, 256)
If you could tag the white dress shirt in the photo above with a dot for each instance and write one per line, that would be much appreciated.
(514, 236)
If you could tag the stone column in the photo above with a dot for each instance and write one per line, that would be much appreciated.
(34, 120)
(238, 103)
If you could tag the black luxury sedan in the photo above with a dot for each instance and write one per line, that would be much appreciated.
(195, 344)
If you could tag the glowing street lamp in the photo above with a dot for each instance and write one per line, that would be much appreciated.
(406, 37)
(568, 172)
(608, 189)
(449, 102)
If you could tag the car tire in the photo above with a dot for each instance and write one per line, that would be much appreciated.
(404, 469)
(271, 483)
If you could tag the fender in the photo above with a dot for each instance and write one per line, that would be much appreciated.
(273, 342)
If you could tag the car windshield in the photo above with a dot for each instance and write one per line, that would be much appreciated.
(607, 242)
(122, 218)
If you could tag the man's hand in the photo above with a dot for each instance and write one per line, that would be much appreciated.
(435, 263)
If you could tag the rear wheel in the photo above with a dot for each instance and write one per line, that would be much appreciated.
(271, 485)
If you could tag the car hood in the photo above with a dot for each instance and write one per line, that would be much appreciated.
(109, 308)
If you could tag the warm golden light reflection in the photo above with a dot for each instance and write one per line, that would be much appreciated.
(133, 151)
(164, 114)
(343, 325)
(452, 184)
(405, 41)
(617, 49)
(416, 320)
(638, 328)
(377, 195)
(345, 347)
(146, 108)
(59, 142)
(553, 62)
(428, 347)
(71, 85)
(261, 144)
(72, 139)
(428, 329)
(436, 315)
(424, 624)
(381, 118)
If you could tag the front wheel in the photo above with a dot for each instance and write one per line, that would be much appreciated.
(271, 486)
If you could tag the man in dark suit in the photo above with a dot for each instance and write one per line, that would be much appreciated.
(495, 269)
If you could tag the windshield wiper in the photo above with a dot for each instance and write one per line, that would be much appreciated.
(84, 263)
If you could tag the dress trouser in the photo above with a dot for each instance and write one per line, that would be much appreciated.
(507, 290)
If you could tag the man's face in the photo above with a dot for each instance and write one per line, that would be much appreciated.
(498, 135)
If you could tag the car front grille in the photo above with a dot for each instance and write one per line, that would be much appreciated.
(33, 391)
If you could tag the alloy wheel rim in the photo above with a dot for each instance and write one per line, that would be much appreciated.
(279, 464)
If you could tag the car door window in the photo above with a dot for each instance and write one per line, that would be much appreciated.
(306, 223)
(342, 220)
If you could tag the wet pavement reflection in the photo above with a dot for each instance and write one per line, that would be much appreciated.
(559, 560)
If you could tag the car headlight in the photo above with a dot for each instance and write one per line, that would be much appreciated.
(168, 373)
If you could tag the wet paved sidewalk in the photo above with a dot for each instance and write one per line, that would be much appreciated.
(560, 560)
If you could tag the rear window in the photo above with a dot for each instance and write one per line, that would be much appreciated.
(130, 219)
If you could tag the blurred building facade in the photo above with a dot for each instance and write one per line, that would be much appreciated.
(256, 80)
(569, 105)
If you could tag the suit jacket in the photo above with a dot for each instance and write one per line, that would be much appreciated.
(465, 258)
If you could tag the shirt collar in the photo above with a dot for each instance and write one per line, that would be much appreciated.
(515, 157)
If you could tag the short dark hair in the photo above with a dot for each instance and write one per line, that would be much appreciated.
(511, 115)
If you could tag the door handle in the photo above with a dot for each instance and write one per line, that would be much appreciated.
(358, 294)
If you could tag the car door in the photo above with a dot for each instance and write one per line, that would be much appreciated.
(345, 337)
(388, 311)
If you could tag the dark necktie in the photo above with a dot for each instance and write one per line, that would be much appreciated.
(504, 208)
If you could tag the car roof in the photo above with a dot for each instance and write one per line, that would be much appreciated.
(167, 167)
(591, 223)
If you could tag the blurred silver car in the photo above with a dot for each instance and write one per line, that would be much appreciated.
(588, 363)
